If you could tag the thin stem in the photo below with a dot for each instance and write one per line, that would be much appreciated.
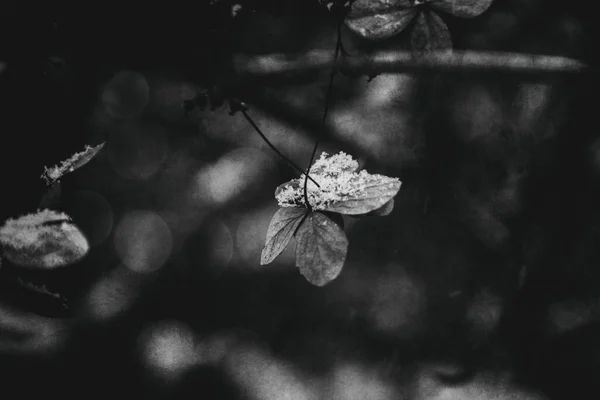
(262, 135)
(312, 157)
(338, 48)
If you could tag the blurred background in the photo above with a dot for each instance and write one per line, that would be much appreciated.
(485, 271)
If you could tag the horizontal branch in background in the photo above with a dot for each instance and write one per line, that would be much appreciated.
(527, 66)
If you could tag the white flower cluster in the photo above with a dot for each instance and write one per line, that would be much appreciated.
(337, 181)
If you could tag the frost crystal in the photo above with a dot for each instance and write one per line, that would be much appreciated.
(338, 180)
(77, 160)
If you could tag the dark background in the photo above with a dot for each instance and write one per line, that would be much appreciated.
(488, 261)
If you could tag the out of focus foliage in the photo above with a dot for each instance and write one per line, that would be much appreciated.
(488, 258)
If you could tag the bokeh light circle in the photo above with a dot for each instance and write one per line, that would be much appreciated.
(126, 95)
(143, 241)
(137, 150)
(168, 349)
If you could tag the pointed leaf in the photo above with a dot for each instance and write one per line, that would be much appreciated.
(430, 33)
(72, 163)
(384, 210)
(341, 189)
(321, 248)
(462, 8)
(281, 229)
(375, 191)
(379, 19)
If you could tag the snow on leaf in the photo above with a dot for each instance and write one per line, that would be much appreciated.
(341, 189)
(430, 33)
(321, 248)
(44, 240)
(381, 19)
(281, 229)
(462, 8)
(72, 163)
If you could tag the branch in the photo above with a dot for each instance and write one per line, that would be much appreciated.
(529, 66)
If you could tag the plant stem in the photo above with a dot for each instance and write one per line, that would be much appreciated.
(262, 135)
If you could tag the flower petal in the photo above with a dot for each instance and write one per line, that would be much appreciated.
(462, 8)
(379, 19)
(430, 33)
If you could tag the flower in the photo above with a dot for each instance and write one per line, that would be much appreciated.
(341, 189)
(381, 19)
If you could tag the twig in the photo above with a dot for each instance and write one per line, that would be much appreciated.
(532, 66)
(338, 48)
(262, 135)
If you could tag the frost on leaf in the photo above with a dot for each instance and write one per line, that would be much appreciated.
(382, 19)
(72, 163)
(43, 240)
(280, 232)
(321, 248)
(342, 189)
(462, 8)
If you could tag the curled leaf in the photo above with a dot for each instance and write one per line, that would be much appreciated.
(282, 227)
(44, 240)
(72, 163)
(321, 248)
(462, 8)
(341, 189)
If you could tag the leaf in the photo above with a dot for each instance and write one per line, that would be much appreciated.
(44, 240)
(72, 163)
(341, 190)
(379, 19)
(282, 227)
(384, 210)
(430, 33)
(335, 217)
(462, 8)
(321, 248)
(376, 191)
